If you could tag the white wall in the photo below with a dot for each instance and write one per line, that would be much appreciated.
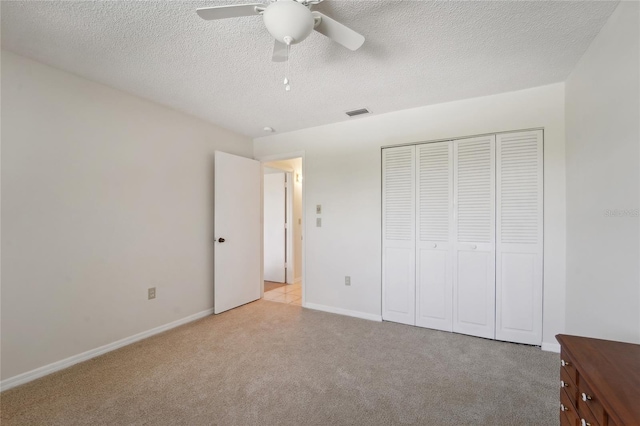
(342, 172)
(103, 195)
(603, 173)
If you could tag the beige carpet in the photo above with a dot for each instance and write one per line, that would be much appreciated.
(275, 364)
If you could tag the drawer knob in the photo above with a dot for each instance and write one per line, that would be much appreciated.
(564, 384)
(583, 422)
(563, 408)
(564, 363)
(585, 397)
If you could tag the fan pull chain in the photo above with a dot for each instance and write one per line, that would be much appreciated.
(287, 86)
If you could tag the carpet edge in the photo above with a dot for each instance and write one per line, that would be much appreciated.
(36, 373)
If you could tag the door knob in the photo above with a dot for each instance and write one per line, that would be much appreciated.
(221, 240)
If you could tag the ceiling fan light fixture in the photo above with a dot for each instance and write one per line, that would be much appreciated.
(288, 20)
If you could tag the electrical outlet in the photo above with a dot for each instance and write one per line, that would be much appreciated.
(152, 293)
(347, 280)
(319, 222)
(318, 209)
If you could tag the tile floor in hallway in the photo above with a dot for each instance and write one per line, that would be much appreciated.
(289, 293)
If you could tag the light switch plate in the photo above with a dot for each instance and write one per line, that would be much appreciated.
(318, 209)
(152, 293)
(319, 222)
(347, 280)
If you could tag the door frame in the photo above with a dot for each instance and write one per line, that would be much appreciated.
(278, 157)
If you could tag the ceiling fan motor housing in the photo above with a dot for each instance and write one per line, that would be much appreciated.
(290, 19)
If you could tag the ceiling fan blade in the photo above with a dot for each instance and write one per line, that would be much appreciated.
(280, 52)
(232, 11)
(338, 32)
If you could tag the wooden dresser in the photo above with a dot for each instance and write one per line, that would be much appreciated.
(600, 382)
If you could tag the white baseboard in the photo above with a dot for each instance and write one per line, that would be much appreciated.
(341, 311)
(84, 356)
(551, 347)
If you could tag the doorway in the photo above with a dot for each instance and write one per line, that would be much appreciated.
(283, 231)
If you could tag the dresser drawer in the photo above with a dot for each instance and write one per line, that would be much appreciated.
(568, 415)
(589, 404)
(569, 418)
(586, 417)
(569, 385)
(567, 365)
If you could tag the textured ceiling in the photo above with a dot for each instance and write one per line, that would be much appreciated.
(416, 53)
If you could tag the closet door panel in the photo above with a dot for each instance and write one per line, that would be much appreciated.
(516, 296)
(398, 233)
(399, 287)
(519, 237)
(434, 273)
(474, 289)
(474, 237)
(434, 296)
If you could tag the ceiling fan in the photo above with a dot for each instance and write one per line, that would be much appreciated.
(289, 22)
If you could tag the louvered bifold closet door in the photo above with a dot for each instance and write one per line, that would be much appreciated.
(474, 237)
(434, 248)
(398, 234)
(519, 237)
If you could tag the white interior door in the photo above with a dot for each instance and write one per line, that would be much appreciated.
(519, 237)
(238, 233)
(274, 227)
(474, 237)
(398, 234)
(434, 248)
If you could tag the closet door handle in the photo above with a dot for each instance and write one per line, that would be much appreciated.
(435, 246)
(473, 246)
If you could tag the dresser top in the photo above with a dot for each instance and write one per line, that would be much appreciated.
(612, 370)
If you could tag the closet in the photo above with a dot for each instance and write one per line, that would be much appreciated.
(462, 236)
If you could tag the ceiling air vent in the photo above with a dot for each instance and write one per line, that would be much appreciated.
(358, 112)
